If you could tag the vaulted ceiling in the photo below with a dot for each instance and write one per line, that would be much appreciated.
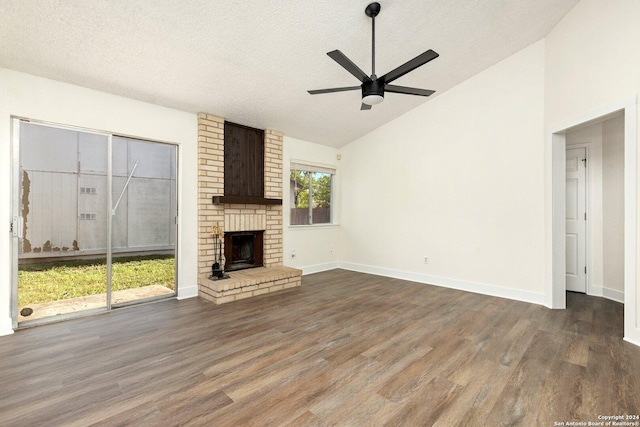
(252, 62)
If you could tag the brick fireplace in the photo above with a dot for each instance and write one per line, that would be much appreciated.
(234, 217)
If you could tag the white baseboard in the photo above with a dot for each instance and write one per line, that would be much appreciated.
(634, 338)
(596, 291)
(613, 295)
(462, 285)
(187, 292)
(319, 268)
(608, 293)
(6, 327)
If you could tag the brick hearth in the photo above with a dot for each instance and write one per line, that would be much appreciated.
(249, 283)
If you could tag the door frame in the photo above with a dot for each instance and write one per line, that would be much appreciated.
(587, 200)
(555, 210)
(15, 213)
(15, 183)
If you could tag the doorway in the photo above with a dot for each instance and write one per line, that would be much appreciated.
(576, 219)
(556, 199)
(94, 222)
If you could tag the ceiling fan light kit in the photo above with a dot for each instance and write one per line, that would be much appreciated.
(372, 92)
(373, 87)
(372, 99)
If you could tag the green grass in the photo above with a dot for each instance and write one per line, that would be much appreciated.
(54, 281)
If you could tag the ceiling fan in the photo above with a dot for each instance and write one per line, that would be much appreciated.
(373, 87)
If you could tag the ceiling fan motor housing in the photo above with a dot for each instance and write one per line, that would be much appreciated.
(374, 87)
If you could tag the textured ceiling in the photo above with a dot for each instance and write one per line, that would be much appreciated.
(252, 62)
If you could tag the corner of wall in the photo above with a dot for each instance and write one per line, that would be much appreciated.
(6, 327)
(187, 292)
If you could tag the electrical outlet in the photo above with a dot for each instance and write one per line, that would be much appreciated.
(426, 260)
(293, 253)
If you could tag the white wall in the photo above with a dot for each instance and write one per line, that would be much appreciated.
(316, 247)
(592, 58)
(460, 180)
(593, 61)
(42, 99)
(613, 203)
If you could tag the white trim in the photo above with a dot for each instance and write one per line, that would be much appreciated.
(6, 326)
(596, 291)
(608, 293)
(631, 322)
(556, 295)
(613, 295)
(85, 129)
(306, 165)
(318, 268)
(554, 213)
(110, 214)
(462, 285)
(596, 115)
(632, 341)
(311, 226)
(15, 214)
(187, 292)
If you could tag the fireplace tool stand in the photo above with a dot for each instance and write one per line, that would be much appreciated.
(217, 268)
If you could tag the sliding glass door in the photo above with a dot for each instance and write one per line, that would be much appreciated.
(94, 221)
(143, 220)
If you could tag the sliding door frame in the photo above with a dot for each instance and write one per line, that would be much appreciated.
(16, 228)
(16, 219)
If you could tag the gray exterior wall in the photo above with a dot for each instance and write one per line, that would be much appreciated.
(64, 184)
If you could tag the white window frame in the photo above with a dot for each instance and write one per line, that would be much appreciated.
(301, 165)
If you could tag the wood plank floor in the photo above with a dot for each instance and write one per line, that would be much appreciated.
(345, 349)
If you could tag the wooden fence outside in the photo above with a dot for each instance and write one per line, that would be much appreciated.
(300, 216)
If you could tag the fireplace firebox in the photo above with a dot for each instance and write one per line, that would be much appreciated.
(243, 249)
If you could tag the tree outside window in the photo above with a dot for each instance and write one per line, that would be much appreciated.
(310, 196)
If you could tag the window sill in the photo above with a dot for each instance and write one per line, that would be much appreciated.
(312, 226)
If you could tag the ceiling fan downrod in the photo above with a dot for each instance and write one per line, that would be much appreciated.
(372, 11)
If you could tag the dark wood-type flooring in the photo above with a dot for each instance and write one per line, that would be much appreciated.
(345, 349)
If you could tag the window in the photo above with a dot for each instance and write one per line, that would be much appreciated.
(310, 193)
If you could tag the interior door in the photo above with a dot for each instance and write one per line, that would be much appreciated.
(576, 218)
